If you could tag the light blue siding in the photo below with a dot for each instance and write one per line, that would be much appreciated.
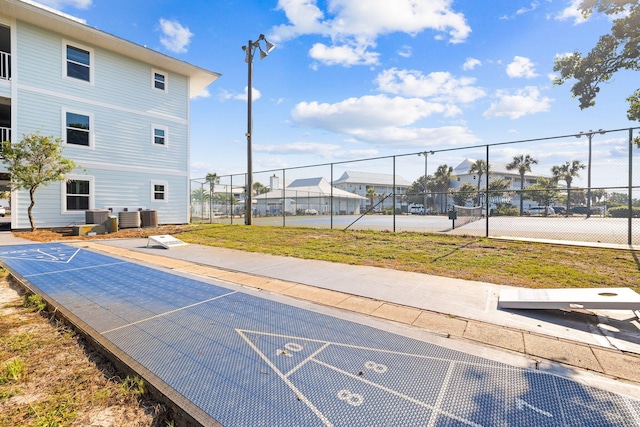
(124, 108)
(112, 190)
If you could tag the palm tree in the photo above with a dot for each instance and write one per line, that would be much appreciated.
(567, 172)
(371, 194)
(523, 164)
(478, 167)
(258, 188)
(443, 177)
(212, 179)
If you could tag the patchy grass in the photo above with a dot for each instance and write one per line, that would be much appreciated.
(50, 377)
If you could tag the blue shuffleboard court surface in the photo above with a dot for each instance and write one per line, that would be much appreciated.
(244, 360)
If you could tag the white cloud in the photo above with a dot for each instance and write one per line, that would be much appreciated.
(353, 26)
(225, 95)
(327, 151)
(534, 5)
(523, 102)
(343, 55)
(176, 37)
(521, 67)
(367, 112)
(572, 12)
(61, 4)
(405, 52)
(418, 137)
(203, 94)
(381, 120)
(523, 10)
(471, 63)
(441, 86)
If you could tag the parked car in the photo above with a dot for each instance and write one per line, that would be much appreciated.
(540, 210)
(560, 210)
(582, 210)
(3, 211)
(310, 212)
(418, 210)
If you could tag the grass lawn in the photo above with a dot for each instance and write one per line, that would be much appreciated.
(534, 265)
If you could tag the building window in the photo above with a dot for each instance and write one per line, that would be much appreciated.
(78, 128)
(78, 63)
(159, 80)
(158, 191)
(159, 135)
(78, 195)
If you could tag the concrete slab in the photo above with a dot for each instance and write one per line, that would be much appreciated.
(562, 351)
(397, 313)
(495, 335)
(618, 364)
(360, 305)
(441, 323)
(587, 299)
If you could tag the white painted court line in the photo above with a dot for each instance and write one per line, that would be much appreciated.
(435, 409)
(286, 380)
(168, 312)
(90, 267)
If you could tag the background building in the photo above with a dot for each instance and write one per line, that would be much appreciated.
(374, 187)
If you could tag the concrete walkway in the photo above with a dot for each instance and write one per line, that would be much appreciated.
(605, 342)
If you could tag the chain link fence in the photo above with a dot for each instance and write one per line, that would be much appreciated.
(579, 187)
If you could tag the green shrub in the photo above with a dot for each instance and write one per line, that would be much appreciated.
(623, 212)
(35, 302)
(506, 210)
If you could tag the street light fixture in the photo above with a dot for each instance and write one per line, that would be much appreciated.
(589, 136)
(426, 155)
(250, 49)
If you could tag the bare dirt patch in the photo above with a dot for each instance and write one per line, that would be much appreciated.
(52, 235)
(49, 376)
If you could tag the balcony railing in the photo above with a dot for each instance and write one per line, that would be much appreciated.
(5, 134)
(5, 66)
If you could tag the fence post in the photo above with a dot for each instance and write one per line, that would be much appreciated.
(393, 202)
(284, 198)
(630, 201)
(331, 198)
(486, 233)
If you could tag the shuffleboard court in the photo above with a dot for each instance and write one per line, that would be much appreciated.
(244, 360)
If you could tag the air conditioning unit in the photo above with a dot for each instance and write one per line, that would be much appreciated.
(149, 218)
(96, 216)
(129, 219)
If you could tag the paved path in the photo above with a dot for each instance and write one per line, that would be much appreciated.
(343, 368)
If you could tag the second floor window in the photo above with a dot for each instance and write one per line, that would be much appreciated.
(78, 63)
(158, 81)
(159, 136)
(78, 129)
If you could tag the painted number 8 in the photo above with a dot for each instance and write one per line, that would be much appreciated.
(377, 367)
(352, 399)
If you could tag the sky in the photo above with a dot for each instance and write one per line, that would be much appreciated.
(355, 79)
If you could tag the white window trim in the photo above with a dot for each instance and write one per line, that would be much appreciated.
(166, 191)
(63, 193)
(153, 80)
(92, 62)
(153, 135)
(91, 129)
